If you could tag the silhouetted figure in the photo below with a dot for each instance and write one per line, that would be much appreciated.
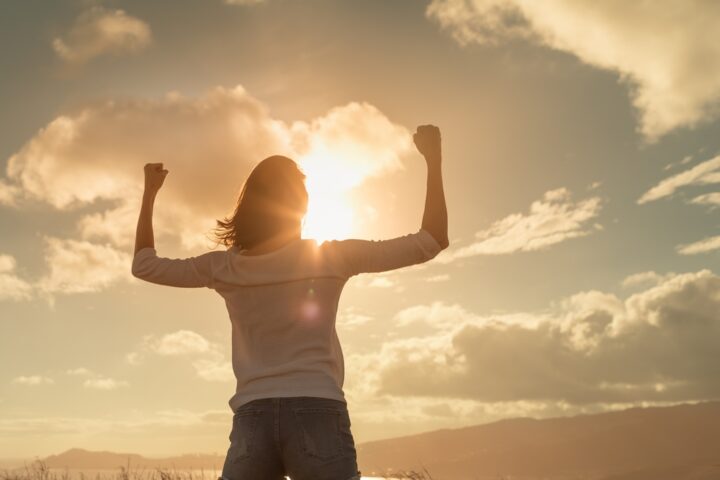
(282, 292)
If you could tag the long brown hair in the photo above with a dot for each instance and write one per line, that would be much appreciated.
(272, 200)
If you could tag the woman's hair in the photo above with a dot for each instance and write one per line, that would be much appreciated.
(272, 200)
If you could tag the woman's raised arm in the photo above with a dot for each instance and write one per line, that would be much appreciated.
(154, 178)
(435, 221)
(357, 256)
(147, 265)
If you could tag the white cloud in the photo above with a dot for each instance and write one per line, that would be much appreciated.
(100, 31)
(33, 380)
(350, 144)
(657, 345)
(437, 315)
(705, 173)
(443, 277)
(685, 160)
(8, 193)
(441, 316)
(134, 358)
(350, 318)
(665, 53)
(381, 282)
(104, 383)
(551, 220)
(80, 266)
(244, 2)
(208, 360)
(701, 246)
(644, 279)
(214, 369)
(182, 342)
(12, 287)
(711, 199)
(96, 381)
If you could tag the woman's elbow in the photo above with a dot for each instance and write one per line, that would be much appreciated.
(138, 271)
(442, 240)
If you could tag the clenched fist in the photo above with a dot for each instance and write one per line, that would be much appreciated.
(154, 177)
(427, 141)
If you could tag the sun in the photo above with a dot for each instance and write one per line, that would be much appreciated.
(329, 215)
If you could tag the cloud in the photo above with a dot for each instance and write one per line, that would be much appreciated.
(349, 318)
(350, 144)
(674, 79)
(244, 2)
(701, 246)
(437, 315)
(104, 383)
(100, 31)
(8, 193)
(644, 279)
(214, 369)
(182, 342)
(208, 360)
(381, 282)
(134, 358)
(80, 266)
(33, 380)
(12, 287)
(551, 220)
(705, 173)
(711, 199)
(92, 159)
(443, 277)
(657, 345)
(96, 381)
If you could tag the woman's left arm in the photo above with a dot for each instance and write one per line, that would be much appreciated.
(147, 265)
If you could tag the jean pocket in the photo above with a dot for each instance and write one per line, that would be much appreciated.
(245, 424)
(320, 431)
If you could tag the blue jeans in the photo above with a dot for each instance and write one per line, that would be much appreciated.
(305, 438)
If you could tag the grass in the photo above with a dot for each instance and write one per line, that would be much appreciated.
(39, 470)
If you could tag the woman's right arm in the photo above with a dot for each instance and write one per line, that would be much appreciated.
(359, 256)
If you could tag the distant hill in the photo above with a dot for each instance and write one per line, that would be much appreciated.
(77, 458)
(661, 443)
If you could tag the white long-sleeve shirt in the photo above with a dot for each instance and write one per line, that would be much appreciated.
(282, 305)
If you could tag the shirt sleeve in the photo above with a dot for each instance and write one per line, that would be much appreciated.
(360, 256)
(175, 272)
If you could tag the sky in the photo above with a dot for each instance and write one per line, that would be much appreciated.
(581, 158)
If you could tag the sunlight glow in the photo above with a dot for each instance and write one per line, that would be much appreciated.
(330, 215)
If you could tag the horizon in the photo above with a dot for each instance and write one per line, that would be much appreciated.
(581, 160)
(493, 422)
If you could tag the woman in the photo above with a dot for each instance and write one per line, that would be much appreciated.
(282, 292)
